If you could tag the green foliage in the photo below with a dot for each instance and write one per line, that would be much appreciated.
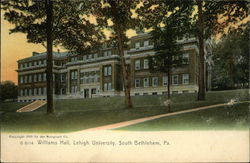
(8, 90)
(231, 60)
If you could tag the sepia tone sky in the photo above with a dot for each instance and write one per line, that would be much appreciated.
(13, 48)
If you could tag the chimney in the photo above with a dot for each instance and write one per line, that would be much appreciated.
(140, 31)
(34, 53)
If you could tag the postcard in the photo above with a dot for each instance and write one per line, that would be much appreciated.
(124, 81)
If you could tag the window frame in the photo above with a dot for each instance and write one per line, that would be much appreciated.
(153, 81)
(144, 83)
(165, 80)
(147, 63)
(137, 43)
(139, 83)
(183, 78)
(185, 56)
(137, 64)
(173, 79)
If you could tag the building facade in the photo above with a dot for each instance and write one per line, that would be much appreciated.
(99, 73)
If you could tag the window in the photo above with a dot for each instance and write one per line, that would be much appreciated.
(145, 82)
(73, 59)
(175, 58)
(30, 64)
(73, 74)
(185, 78)
(35, 77)
(109, 53)
(107, 70)
(62, 77)
(154, 93)
(107, 86)
(39, 77)
(146, 43)
(137, 45)
(90, 56)
(105, 54)
(30, 92)
(21, 92)
(93, 91)
(73, 89)
(185, 58)
(84, 57)
(30, 78)
(35, 91)
(146, 65)
(44, 90)
(175, 79)
(174, 92)
(137, 65)
(25, 79)
(21, 79)
(25, 92)
(137, 83)
(44, 77)
(39, 91)
(165, 80)
(155, 81)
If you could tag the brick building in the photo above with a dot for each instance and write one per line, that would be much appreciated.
(99, 73)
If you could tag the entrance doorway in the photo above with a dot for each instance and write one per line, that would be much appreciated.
(86, 93)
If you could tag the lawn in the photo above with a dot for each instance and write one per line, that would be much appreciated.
(219, 118)
(79, 114)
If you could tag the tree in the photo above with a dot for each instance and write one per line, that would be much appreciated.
(208, 19)
(201, 81)
(231, 60)
(166, 47)
(215, 17)
(50, 23)
(49, 70)
(119, 12)
(8, 90)
(168, 50)
(168, 21)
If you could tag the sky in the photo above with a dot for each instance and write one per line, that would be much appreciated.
(13, 48)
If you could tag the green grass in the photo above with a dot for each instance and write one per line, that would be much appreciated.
(79, 114)
(219, 118)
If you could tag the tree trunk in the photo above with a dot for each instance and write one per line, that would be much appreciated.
(125, 72)
(201, 89)
(169, 80)
(49, 70)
